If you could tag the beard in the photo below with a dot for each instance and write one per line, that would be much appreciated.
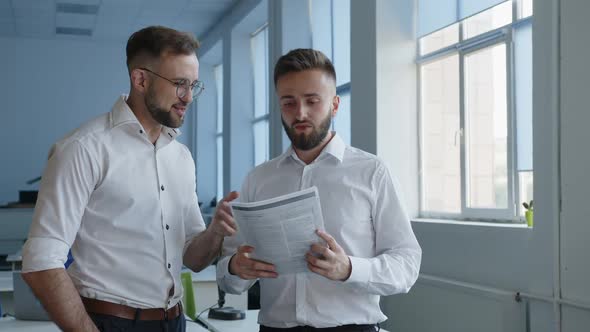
(307, 142)
(161, 115)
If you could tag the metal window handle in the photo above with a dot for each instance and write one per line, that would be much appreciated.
(458, 133)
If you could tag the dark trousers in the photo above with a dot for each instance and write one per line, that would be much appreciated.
(343, 328)
(107, 323)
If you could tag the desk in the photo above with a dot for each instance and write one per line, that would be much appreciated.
(205, 291)
(6, 292)
(9, 324)
(204, 288)
(249, 324)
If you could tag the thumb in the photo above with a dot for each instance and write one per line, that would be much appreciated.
(245, 249)
(231, 196)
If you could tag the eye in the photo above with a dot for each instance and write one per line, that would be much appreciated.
(288, 103)
(181, 83)
(313, 101)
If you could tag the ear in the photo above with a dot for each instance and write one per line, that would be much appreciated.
(335, 105)
(139, 80)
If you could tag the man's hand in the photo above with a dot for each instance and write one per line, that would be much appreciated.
(330, 262)
(247, 268)
(223, 223)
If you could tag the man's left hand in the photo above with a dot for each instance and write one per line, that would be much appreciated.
(223, 223)
(331, 261)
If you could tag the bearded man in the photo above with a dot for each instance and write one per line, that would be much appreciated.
(371, 249)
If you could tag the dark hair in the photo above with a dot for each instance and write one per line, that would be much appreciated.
(155, 40)
(303, 59)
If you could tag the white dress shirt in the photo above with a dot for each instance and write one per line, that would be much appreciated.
(362, 211)
(126, 207)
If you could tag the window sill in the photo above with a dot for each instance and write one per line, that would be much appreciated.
(470, 223)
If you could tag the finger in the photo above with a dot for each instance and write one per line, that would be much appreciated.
(227, 229)
(224, 206)
(245, 249)
(231, 196)
(317, 270)
(226, 217)
(247, 276)
(261, 274)
(256, 265)
(329, 239)
(321, 250)
(317, 262)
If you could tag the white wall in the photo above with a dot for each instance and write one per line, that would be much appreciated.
(574, 162)
(48, 88)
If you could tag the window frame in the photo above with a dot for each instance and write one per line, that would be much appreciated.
(464, 48)
(266, 116)
(219, 132)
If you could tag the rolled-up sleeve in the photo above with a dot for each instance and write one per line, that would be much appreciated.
(396, 265)
(67, 183)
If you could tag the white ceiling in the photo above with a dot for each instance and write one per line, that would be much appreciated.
(105, 20)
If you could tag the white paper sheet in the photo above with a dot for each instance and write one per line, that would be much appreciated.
(281, 229)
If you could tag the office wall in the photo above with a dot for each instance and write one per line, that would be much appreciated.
(47, 89)
(575, 162)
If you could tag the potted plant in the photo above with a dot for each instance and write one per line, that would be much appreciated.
(528, 214)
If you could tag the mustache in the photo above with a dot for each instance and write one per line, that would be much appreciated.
(181, 104)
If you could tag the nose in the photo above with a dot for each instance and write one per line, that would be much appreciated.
(301, 112)
(188, 97)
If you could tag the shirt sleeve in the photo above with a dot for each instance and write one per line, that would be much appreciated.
(66, 185)
(396, 265)
(228, 282)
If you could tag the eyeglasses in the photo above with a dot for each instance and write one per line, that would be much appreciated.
(183, 85)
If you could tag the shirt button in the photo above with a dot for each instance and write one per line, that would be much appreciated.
(167, 227)
(169, 265)
(141, 131)
(162, 187)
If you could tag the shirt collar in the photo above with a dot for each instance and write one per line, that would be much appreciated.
(122, 114)
(334, 148)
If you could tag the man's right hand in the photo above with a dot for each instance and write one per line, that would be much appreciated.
(247, 268)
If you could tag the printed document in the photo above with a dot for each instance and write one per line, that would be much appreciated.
(281, 229)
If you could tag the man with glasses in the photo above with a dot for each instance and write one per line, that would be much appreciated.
(371, 250)
(120, 191)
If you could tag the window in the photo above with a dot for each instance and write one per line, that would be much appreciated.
(341, 59)
(218, 72)
(476, 115)
(260, 122)
(330, 26)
